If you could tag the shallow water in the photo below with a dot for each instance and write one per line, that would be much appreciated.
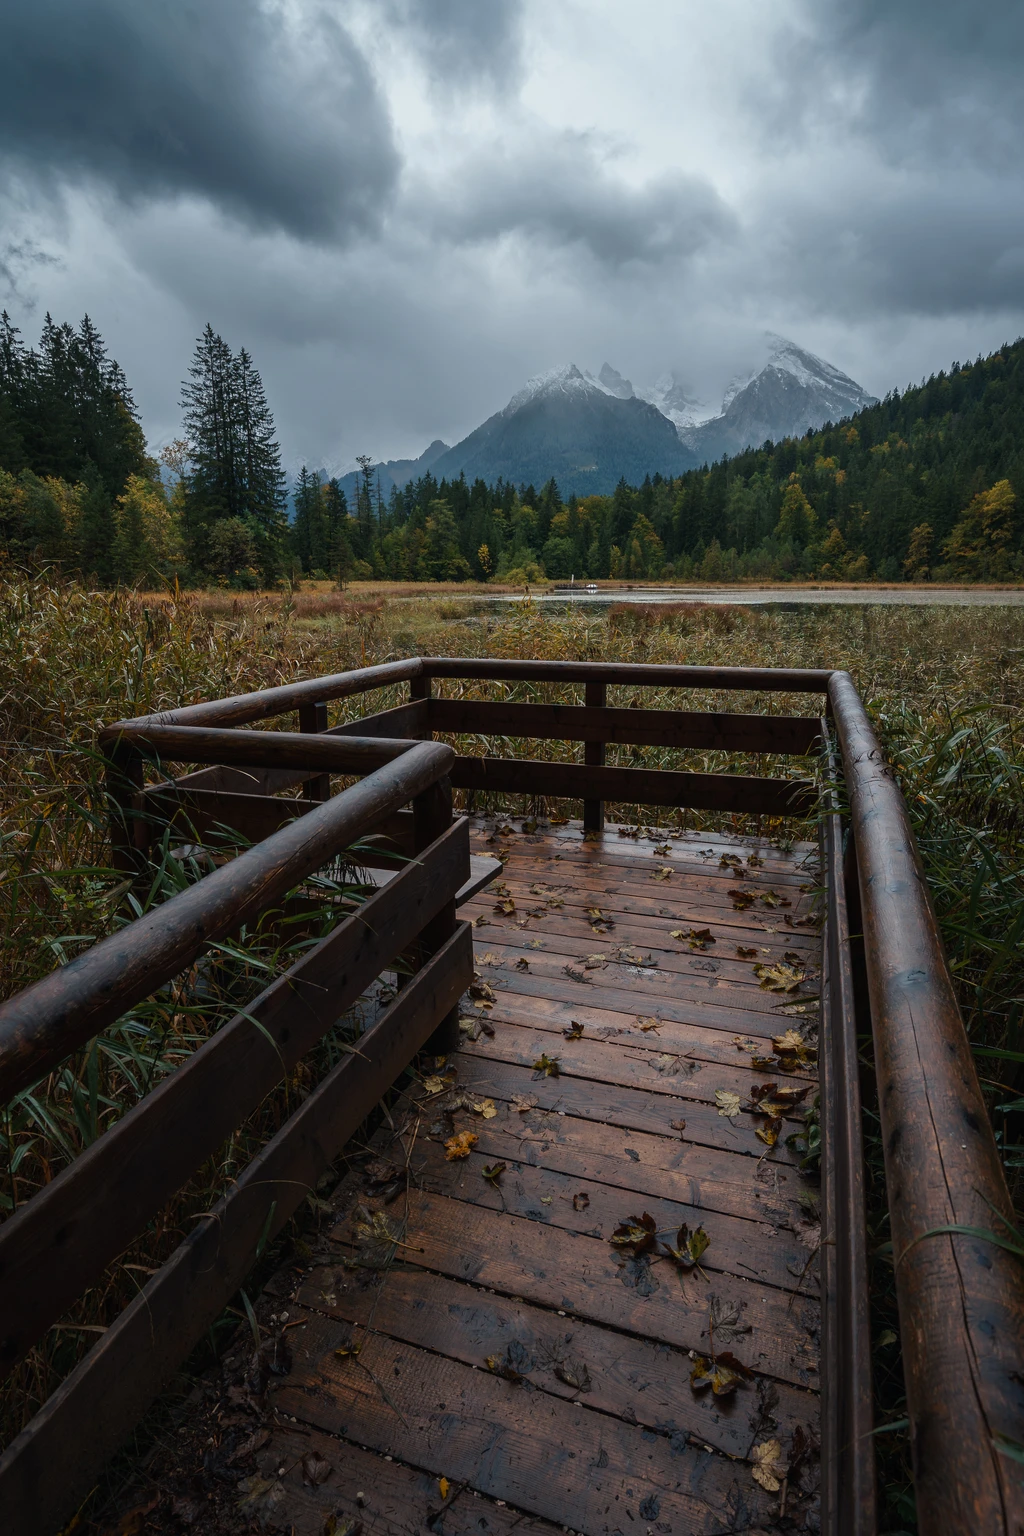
(762, 597)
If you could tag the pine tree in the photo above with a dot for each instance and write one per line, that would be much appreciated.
(235, 472)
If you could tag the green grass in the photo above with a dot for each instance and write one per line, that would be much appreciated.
(945, 687)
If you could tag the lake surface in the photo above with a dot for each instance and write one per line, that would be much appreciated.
(763, 597)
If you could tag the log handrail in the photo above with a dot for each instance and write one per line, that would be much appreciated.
(961, 1298)
(51, 1018)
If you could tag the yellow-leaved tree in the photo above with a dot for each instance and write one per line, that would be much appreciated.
(980, 545)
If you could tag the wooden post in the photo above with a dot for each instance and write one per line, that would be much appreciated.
(432, 815)
(593, 756)
(313, 720)
(419, 688)
(124, 781)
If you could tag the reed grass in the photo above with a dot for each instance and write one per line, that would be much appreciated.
(945, 687)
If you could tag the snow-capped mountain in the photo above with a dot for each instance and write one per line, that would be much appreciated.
(586, 432)
(790, 394)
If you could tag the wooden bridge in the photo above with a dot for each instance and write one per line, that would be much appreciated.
(578, 1279)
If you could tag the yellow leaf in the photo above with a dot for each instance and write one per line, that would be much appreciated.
(460, 1145)
(728, 1103)
(434, 1084)
(768, 1470)
(443, 1486)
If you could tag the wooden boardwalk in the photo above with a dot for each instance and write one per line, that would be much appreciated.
(509, 1348)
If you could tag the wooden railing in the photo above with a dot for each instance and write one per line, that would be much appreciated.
(961, 1297)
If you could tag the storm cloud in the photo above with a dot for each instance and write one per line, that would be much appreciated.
(405, 207)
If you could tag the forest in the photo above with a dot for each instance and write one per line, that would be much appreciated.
(920, 487)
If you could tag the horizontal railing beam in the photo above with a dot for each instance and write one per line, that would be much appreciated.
(53, 1463)
(636, 674)
(243, 708)
(51, 1018)
(637, 786)
(321, 753)
(961, 1297)
(633, 727)
(60, 1241)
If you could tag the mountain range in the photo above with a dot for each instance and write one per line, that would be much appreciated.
(589, 431)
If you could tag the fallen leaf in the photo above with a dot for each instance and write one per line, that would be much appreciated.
(500, 890)
(744, 953)
(460, 1145)
(779, 977)
(523, 1102)
(514, 1364)
(774, 1100)
(538, 890)
(754, 861)
(663, 849)
(340, 1524)
(478, 922)
(688, 1246)
(793, 1050)
(741, 900)
(443, 1486)
(773, 899)
(574, 1032)
(769, 1133)
(522, 964)
(728, 1103)
(434, 1084)
(730, 861)
(315, 1470)
(725, 1321)
(664, 873)
(535, 944)
(744, 1043)
(574, 1373)
(493, 1172)
(667, 1065)
(646, 1023)
(723, 1374)
(482, 991)
(636, 1233)
(575, 975)
(484, 1107)
(767, 1469)
(581, 1201)
(595, 962)
(556, 901)
(677, 1125)
(546, 1066)
(635, 1274)
(506, 906)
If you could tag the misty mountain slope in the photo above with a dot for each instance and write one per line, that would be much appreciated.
(567, 425)
(396, 472)
(795, 392)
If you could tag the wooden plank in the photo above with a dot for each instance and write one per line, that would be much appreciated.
(678, 729)
(546, 1195)
(652, 1070)
(603, 1023)
(633, 674)
(708, 1013)
(594, 697)
(585, 1470)
(582, 1276)
(42, 1024)
(388, 1497)
(670, 1165)
(567, 942)
(633, 1379)
(637, 786)
(593, 859)
(404, 721)
(53, 1462)
(612, 1104)
(61, 1240)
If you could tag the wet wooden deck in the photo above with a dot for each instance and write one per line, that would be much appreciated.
(515, 1371)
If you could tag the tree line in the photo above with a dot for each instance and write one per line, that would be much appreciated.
(922, 486)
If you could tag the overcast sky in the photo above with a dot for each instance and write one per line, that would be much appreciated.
(404, 208)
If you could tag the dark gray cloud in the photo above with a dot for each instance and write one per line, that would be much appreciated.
(562, 195)
(929, 81)
(274, 117)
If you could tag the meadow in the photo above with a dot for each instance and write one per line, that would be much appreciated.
(945, 687)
